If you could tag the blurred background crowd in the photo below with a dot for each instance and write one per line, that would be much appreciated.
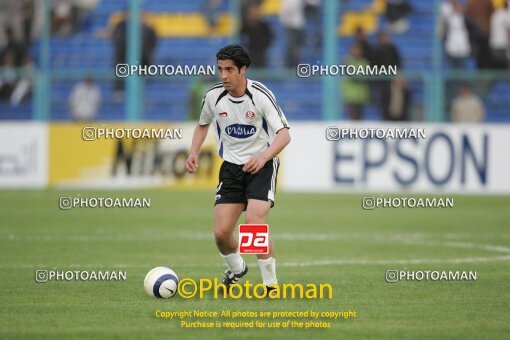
(58, 57)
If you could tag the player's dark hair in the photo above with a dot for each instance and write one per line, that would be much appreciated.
(236, 53)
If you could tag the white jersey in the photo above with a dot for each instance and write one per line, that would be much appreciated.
(244, 126)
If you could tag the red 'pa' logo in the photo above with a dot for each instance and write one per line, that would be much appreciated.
(250, 115)
(253, 238)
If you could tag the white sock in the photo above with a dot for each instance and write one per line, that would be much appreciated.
(268, 271)
(235, 262)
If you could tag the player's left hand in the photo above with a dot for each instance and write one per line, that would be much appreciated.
(254, 164)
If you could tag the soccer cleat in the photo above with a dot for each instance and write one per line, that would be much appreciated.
(271, 292)
(232, 278)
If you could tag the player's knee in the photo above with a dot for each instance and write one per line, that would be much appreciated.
(220, 243)
(221, 235)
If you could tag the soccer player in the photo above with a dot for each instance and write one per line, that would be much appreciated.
(251, 130)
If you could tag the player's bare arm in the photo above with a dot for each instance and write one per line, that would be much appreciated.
(256, 163)
(198, 139)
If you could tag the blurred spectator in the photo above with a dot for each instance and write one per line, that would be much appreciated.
(149, 41)
(292, 18)
(244, 7)
(445, 10)
(385, 54)
(256, 35)
(12, 47)
(24, 85)
(119, 37)
(11, 15)
(467, 107)
(85, 100)
(480, 11)
(361, 39)
(148, 45)
(356, 92)
(459, 33)
(24, 18)
(69, 15)
(84, 7)
(64, 16)
(27, 21)
(500, 37)
(313, 20)
(14, 88)
(8, 76)
(396, 13)
(398, 105)
(211, 11)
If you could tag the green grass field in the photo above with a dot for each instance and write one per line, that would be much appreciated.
(319, 239)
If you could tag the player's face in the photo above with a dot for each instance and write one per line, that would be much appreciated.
(230, 75)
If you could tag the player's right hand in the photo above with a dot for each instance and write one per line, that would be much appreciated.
(192, 163)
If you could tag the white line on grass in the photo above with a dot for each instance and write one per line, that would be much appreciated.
(332, 262)
(203, 236)
(410, 239)
(391, 262)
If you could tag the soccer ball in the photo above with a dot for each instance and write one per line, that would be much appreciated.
(161, 282)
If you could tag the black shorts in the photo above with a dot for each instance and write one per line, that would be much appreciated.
(237, 186)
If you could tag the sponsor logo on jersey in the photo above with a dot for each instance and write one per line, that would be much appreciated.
(250, 115)
(240, 130)
(223, 114)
